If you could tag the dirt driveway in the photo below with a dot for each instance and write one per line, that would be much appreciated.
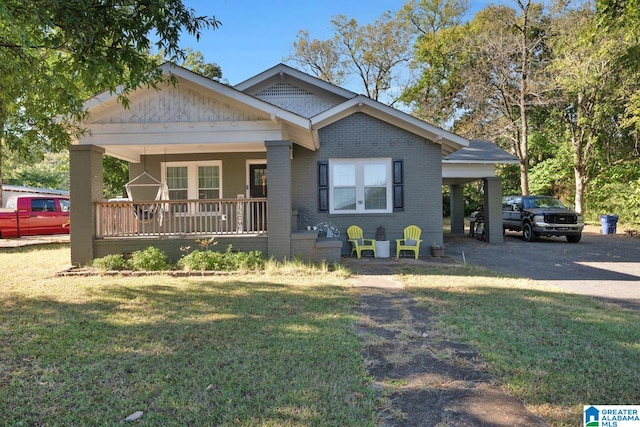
(603, 266)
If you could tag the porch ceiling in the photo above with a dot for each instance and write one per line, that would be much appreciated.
(132, 140)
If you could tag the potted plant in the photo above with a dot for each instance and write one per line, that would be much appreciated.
(437, 251)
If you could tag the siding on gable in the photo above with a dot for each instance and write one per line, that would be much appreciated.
(362, 136)
(295, 99)
(174, 104)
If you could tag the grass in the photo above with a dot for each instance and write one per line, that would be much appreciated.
(265, 349)
(279, 347)
(555, 351)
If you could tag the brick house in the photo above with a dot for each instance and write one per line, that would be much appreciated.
(199, 152)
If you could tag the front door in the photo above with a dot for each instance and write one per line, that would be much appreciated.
(258, 180)
(258, 189)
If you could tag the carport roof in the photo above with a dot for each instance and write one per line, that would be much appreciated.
(479, 151)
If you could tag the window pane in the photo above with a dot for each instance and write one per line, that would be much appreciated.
(375, 175)
(344, 199)
(344, 175)
(177, 178)
(208, 177)
(375, 198)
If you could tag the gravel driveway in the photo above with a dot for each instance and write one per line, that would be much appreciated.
(603, 266)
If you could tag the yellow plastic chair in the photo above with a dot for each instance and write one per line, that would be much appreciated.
(359, 243)
(411, 241)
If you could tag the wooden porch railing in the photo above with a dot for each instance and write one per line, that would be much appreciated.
(180, 218)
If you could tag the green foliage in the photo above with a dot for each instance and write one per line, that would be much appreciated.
(552, 177)
(201, 260)
(205, 259)
(50, 170)
(114, 262)
(150, 259)
(510, 175)
(54, 54)
(616, 190)
(115, 176)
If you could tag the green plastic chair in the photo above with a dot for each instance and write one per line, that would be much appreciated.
(411, 241)
(359, 243)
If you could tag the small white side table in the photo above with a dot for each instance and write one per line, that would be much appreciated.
(382, 248)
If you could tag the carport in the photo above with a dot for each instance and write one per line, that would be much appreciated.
(477, 162)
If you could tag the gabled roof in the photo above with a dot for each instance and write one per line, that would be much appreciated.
(106, 98)
(450, 142)
(480, 151)
(280, 71)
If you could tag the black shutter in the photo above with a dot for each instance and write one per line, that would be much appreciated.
(398, 192)
(323, 186)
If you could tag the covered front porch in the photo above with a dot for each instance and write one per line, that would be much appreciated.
(103, 227)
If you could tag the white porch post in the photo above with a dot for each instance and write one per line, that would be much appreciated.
(493, 209)
(279, 194)
(85, 162)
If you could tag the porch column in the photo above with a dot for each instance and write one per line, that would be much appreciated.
(456, 207)
(85, 163)
(493, 209)
(279, 204)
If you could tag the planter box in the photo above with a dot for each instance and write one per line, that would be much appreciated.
(437, 251)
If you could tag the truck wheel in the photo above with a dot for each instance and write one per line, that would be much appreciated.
(574, 239)
(527, 232)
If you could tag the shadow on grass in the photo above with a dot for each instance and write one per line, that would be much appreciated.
(186, 352)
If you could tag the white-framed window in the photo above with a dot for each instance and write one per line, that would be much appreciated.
(199, 180)
(360, 186)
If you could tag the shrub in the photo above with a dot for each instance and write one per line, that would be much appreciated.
(252, 260)
(150, 259)
(110, 262)
(201, 260)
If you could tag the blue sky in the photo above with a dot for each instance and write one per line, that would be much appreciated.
(258, 34)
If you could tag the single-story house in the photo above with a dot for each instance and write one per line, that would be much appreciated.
(200, 153)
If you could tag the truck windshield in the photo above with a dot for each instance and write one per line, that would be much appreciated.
(542, 202)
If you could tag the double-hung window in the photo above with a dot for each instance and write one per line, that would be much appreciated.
(193, 181)
(360, 185)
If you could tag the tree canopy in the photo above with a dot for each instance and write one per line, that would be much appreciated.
(56, 53)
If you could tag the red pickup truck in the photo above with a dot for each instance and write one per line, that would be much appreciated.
(34, 215)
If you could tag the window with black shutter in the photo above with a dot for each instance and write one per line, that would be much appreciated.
(398, 191)
(323, 186)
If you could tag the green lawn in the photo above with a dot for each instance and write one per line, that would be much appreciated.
(279, 347)
(555, 351)
(263, 349)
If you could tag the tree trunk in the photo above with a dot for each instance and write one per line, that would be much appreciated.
(524, 125)
(580, 180)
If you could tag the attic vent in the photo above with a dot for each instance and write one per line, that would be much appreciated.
(283, 89)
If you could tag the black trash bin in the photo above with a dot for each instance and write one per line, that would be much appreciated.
(608, 223)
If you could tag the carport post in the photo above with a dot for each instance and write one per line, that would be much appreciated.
(456, 208)
(493, 209)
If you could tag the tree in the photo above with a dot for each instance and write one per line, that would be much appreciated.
(372, 53)
(56, 53)
(437, 61)
(320, 57)
(484, 76)
(596, 86)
